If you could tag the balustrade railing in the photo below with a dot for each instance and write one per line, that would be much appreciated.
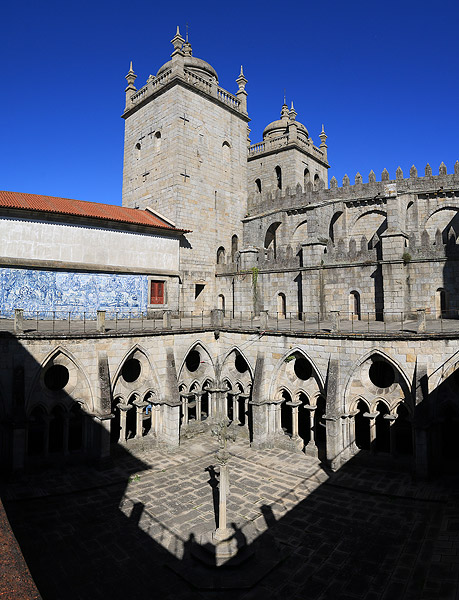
(113, 321)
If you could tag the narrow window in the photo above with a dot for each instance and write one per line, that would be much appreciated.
(234, 247)
(258, 185)
(221, 256)
(306, 177)
(279, 177)
(198, 289)
(138, 148)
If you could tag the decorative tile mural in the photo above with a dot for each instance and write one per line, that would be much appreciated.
(77, 293)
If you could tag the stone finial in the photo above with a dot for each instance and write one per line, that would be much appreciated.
(412, 241)
(372, 177)
(323, 138)
(451, 235)
(177, 41)
(442, 170)
(425, 239)
(131, 77)
(363, 244)
(385, 175)
(299, 189)
(346, 181)
(428, 170)
(399, 173)
(284, 111)
(352, 247)
(292, 113)
(413, 171)
(456, 167)
(241, 80)
(358, 179)
(333, 182)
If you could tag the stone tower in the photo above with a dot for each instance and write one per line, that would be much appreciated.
(286, 157)
(185, 156)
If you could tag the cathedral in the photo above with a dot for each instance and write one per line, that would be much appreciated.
(317, 317)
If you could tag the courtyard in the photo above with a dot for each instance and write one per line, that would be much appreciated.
(367, 531)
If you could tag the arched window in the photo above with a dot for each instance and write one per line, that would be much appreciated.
(157, 141)
(286, 413)
(138, 148)
(316, 178)
(271, 237)
(354, 305)
(258, 185)
(306, 177)
(234, 247)
(221, 256)
(335, 229)
(221, 302)
(278, 171)
(226, 152)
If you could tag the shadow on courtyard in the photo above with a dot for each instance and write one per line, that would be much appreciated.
(364, 533)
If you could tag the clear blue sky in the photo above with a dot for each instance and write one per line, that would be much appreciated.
(381, 76)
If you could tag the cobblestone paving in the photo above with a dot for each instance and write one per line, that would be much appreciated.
(362, 533)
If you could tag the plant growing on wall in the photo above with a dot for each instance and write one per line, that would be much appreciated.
(406, 257)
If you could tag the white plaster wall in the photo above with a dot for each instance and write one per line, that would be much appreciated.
(38, 240)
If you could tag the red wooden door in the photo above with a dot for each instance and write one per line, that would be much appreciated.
(157, 292)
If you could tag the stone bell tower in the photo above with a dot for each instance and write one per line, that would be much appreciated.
(185, 156)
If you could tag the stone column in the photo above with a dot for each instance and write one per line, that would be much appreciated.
(139, 406)
(236, 407)
(198, 395)
(18, 320)
(184, 398)
(123, 412)
(101, 445)
(421, 320)
(101, 321)
(311, 448)
(345, 436)
(372, 417)
(335, 320)
(294, 405)
(167, 320)
(354, 449)
(222, 532)
(391, 419)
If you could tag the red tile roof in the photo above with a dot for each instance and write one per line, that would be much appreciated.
(80, 208)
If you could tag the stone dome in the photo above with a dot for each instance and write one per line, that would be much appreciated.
(195, 65)
(281, 126)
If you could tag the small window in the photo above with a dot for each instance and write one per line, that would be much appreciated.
(279, 177)
(306, 177)
(198, 289)
(157, 140)
(221, 256)
(138, 148)
(258, 185)
(157, 292)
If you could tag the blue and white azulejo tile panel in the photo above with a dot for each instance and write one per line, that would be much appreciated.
(77, 293)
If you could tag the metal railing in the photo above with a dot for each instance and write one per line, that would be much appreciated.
(121, 321)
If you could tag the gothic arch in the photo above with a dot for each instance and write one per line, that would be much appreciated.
(140, 384)
(203, 371)
(284, 372)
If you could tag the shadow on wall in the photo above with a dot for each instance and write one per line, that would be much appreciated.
(86, 534)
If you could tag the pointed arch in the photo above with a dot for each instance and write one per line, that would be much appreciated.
(280, 367)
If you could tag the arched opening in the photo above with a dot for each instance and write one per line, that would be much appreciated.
(281, 306)
(234, 247)
(354, 305)
(147, 414)
(278, 172)
(335, 229)
(36, 432)
(362, 427)
(381, 373)
(258, 185)
(286, 413)
(76, 423)
(205, 401)
(320, 429)
(138, 148)
(382, 426)
(403, 432)
(271, 237)
(157, 141)
(56, 377)
(131, 370)
(306, 178)
(441, 303)
(221, 256)
(56, 430)
(221, 302)
(131, 419)
(304, 420)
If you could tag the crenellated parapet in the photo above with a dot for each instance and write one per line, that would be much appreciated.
(426, 246)
(316, 193)
(354, 251)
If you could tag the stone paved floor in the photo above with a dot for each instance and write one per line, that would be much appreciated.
(362, 533)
